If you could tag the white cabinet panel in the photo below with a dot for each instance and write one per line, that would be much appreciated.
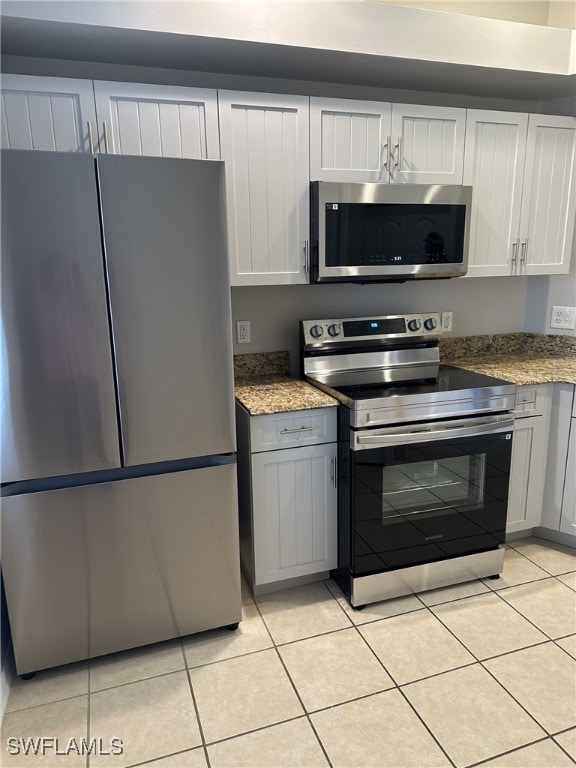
(529, 452)
(157, 120)
(287, 430)
(568, 515)
(294, 512)
(264, 140)
(494, 167)
(559, 510)
(368, 141)
(549, 198)
(429, 145)
(349, 140)
(521, 168)
(49, 113)
(527, 474)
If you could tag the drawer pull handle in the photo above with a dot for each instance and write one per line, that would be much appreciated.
(297, 431)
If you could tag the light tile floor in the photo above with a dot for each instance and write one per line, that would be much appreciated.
(482, 673)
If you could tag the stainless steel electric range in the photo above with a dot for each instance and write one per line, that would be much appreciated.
(424, 455)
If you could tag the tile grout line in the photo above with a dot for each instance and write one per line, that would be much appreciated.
(305, 711)
(509, 752)
(399, 689)
(520, 612)
(482, 665)
(198, 720)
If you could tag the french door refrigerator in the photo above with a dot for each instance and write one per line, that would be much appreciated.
(119, 508)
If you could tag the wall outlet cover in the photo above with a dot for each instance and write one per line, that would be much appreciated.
(563, 317)
(446, 322)
(243, 331)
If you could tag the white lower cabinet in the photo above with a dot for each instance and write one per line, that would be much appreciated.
(568, 513)
(529, 451)
(559, 509)
(287, 499)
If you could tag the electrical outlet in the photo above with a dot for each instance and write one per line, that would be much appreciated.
(563, 317)
(243, 331)
(446, 322)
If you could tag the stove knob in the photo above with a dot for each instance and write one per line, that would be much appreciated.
(316, 331)
(414, 325)
(334, 330)
(430, 323)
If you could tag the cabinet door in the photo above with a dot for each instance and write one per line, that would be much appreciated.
(527, 473)
(494, 167)
(428, 144)
(265, 145)
(568, 515)
(50, 113)
(157, 120)
(349, 140)
(560, 421)
(294, 512)
(549, 196)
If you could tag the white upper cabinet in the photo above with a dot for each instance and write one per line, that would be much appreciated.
(264, 141)
(427, 144)
(494, 168)
(349, 140)
(157, 120)
(50, 113)
(56, 113)
(549, 196)
(366, 141)
(521, 168)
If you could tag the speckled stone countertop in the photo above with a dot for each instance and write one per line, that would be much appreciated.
(522, 358)
(263, 385)
(275, 394)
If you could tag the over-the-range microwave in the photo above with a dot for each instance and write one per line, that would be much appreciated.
(365, 233)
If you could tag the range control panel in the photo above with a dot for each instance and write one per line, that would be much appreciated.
(347, 330)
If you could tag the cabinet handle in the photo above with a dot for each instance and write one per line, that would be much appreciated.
(91, 138)
(386, 160)
(398, 148)
(108, 140)
(306, 248)
(297, 431)
(333, 471)
(524, 250)
(514, 259)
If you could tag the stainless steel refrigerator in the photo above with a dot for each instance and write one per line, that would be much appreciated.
(119, 509)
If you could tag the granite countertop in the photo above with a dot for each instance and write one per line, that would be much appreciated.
(522, 358)
(279, 394)
(263, 384)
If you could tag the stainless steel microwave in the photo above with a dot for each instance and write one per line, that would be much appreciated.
(362, 233)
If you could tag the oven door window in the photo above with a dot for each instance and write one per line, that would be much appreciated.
(413, 504)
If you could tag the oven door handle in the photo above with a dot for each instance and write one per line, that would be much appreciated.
(439, 431)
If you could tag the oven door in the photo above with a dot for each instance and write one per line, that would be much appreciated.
(426, 492)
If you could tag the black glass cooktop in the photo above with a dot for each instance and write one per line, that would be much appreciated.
(450, 379)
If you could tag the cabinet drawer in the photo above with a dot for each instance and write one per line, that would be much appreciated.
(285, 430)
(533, 400)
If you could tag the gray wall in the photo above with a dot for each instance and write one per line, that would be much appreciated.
(480, 306)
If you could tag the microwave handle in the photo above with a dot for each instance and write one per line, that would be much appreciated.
(306, 249)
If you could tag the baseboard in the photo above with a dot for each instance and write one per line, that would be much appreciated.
(7, 675)
(511, 535)
(557, 536)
